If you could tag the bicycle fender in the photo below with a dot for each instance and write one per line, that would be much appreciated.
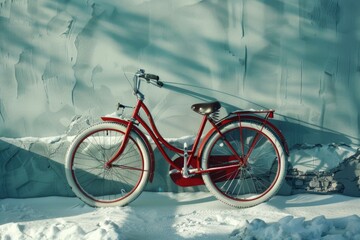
(272, 127)
(232, 118)
(143, 137)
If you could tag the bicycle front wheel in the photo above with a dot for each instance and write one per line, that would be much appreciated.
(100, 186)
(257, 168)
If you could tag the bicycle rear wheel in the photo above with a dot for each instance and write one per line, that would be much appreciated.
(97, 185)
(256, 174)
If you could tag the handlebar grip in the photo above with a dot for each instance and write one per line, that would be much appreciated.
(160, 83)
(151, 76)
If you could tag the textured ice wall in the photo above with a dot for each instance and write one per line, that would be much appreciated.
(65, 57)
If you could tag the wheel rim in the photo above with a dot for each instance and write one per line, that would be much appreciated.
(94, 180)
(251, 180)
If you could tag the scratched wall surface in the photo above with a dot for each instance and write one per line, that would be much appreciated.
(63, 58)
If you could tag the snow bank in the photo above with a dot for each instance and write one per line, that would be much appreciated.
(34, 167)
(297, 228)
(181, 216)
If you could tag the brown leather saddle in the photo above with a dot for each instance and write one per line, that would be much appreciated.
(206, 108)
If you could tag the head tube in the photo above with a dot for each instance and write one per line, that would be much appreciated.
(136, 85)
(137, 81)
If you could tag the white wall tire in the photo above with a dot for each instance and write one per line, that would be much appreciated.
(100, 187)
(248, 185)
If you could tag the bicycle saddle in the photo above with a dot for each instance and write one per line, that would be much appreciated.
(206, 108)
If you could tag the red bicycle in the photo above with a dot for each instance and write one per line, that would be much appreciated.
(241, 159)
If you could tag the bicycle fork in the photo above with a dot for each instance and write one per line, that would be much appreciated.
(109, 164)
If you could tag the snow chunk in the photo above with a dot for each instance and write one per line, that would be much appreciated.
(291, 227)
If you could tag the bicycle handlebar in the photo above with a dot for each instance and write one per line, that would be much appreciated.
(149, 77)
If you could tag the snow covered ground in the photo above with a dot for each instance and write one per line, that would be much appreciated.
(182, 216)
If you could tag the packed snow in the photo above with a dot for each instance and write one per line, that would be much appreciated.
(182, 216)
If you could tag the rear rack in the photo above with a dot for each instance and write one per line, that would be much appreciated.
(269, 112)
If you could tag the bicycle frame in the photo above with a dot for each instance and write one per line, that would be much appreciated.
(193, 162)
(159, 141)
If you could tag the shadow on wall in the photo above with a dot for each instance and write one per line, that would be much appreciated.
(32, 169)
(35, 168)
(295, 131)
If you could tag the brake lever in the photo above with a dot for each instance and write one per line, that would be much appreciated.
(119, 105)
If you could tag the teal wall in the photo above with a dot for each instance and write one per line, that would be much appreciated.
(63, 58)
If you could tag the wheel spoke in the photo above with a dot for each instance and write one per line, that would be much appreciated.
(97, 184)
(254, 180)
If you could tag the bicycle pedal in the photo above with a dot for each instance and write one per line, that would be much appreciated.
(173, 171)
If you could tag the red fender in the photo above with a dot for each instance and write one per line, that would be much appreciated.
(231, 118)
(143, 137)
